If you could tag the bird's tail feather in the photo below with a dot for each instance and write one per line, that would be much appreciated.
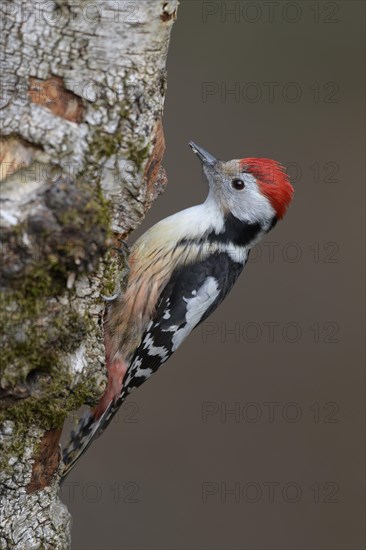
(89, 428)
(93, 423)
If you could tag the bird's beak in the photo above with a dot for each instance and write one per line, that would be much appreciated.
(203, 155)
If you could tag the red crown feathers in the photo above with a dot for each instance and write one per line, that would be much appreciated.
(272, 181)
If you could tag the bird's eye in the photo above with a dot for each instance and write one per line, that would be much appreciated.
(237, 184)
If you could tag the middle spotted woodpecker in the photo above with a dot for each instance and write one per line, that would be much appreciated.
(180, 271)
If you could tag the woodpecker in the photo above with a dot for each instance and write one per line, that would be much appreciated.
(180, 271)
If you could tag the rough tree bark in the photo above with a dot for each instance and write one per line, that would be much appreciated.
(81, 138)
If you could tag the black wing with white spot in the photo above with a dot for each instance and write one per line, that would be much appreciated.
(192, 294)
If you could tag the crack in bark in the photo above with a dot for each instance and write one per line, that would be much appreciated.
(46, 462)
(53, 95)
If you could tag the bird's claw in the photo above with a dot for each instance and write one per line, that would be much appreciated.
(110, 298)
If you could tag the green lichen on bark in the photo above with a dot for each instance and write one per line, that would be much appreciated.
(106, 145)
(138, 153)
(39, 323)
(35, 382)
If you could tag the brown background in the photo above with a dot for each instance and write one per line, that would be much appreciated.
(143, 485)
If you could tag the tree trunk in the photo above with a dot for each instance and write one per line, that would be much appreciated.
(81, 135)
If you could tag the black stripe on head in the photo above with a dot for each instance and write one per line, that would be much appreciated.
(272, 224)
(236, 231)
